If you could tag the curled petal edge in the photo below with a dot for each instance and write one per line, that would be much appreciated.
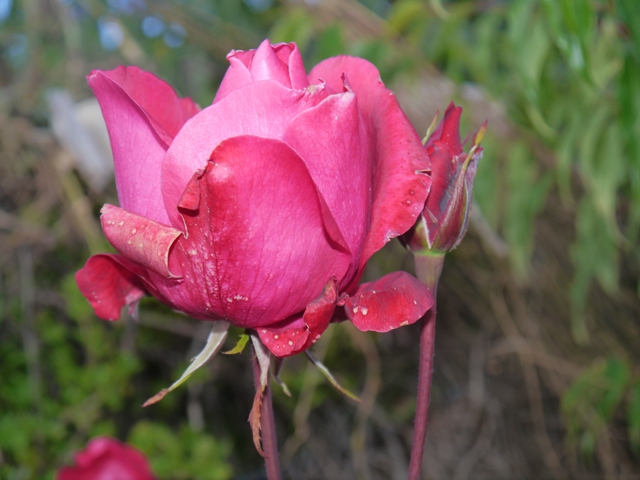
(393, 301)
(294, 336)
(139, 239)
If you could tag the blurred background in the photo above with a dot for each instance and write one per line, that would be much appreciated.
(537, 369)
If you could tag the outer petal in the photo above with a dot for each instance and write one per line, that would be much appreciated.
(448, 130)
(258, 248)
(237, 76)
(139, 239)
(109, 285)
(262, 109)
(444, 149)
(142, 114)
(400, 185)
(390, 302)
(297, 334)
(332, 140)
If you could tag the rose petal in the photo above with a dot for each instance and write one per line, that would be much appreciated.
(258, 249)
(281, 62)
(142, 114)
(290, 55)
(296, 335)
(237, 76)
(390, 302)
(109, 285)
(139, 239)
(267, 65)
(338, 160)
(400, 186)
(448, 130)
(262, 109)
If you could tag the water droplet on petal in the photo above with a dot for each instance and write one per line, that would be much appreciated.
(364, 310)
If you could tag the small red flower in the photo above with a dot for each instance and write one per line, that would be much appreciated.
(107, 459)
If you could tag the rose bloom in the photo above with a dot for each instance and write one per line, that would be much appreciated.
(107, 459)
(263, 208)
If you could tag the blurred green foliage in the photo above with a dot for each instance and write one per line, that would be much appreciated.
(593, 400)
(566, 72)
(182, 455)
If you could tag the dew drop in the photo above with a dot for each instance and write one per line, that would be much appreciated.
(133, 232)
(276, 337)
(364, 310)
(121, 223)
(290, 343)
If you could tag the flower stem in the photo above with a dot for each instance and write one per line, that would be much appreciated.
(268, 427)
(428, 269)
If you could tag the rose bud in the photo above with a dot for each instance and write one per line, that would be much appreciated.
(445, 217)
(107, 459)
(263, 208)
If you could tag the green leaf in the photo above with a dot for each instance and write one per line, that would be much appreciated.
(616, 378)
(595, 255)
(527, 194)
(239, 348)
(633, 417)
(214, 343)
(593, 399)
(325, 371)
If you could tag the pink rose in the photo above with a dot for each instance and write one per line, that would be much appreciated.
(445, 219)
(107, 459)
(263, 208)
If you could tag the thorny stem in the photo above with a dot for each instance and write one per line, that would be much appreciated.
(268, 428)
(428, 269)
